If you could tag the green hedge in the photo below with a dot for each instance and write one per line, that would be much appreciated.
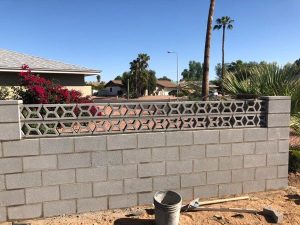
(294, 160)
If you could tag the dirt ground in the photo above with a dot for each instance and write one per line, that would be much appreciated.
(285, 201)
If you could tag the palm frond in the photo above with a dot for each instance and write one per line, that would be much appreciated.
(217, 27)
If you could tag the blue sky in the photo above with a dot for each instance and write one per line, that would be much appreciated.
(108, 34)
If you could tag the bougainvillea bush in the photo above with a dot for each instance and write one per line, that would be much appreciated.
(38, 90)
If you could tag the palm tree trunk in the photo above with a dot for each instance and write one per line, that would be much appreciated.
(205, 82)
(223, 59)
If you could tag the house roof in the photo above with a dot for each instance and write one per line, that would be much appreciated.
(114, 83)
(11, 61)
(166, 84)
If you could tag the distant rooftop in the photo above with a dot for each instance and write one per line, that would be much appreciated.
(166, 84)
(12, 61)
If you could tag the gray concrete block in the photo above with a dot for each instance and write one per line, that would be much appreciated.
(166, 183)
(57, 145)
(78, 190)
(58, 177)
(92, 204)
(263, 173)
(230, 189)
(137, 185)
(232, 162)
(89, 144)
(278, 120)
(151, 169)
(218, 150)
(206, 191)
(136, 156)
(192, 152)
(179, 138)
(208, 164)
(1, 154)
(145, 198)
(108, 188)
(165, 154)
(2, 182)
(278, 159)
(275, 184)
(10, 165)
(21, 148)
(218, 177)
(179, 167)
(255, 161)
(278, 133)
(255, 134)
(23, 180)
(9, 113)
(91, 174)
(231, 135)
(122, 171)
(243, 148)
(192, 180)
(121, 141)
(15, 197)
(282, 171)
(35, 163)
(25, 212)
(279, 106)
(149, 140)
(266, 147)
(76, 160)
(206, 137)
(254, 186)
(283, 146)
(106, 158)
(57, 208)
(243, 175)
(10, 131)
(3, 214)
(42, 194)
(185, 193)
(122, 201)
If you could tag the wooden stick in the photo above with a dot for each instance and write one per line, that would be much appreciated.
(238, 210)
(223, 200)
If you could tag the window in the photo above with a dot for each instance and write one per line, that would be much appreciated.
(110, 89)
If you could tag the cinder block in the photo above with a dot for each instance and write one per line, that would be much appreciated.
(57, 145)
(91, 174)
(192, 152)
(282, 171)
(179, 167)
(108, 188)
(278, 120)
(136, 156)
(243, 175)
(21, 148)
(58, 177)
(230, 189)
(278, 133)
(255, 161)
(79, 190)
(185, 193)
(263, 173)
(192, 180)
(206, 137)
(121, 141)
(283, 146)
(165, 154)
(151, 169)
(137, 185)
(40, 163)
(23, 180)
(42, 194)
(91, 204)
(218, 177)
(231, 135)
(57, 208)
(25, 212)
(278, 159)
(89, 144)
(279, 106)
(76, 160)
(275, 184)
(122, 171)
(255, 134)
(243, 148)
(218, 150)
(254, 186)
(9, 113)
(10, 131)
(1, 154)
(206, 191)
(16, 197)
(232, 162)
(122, 201)
(266, 147)
(208, 164)
(2, 182)
(3, 215)
(179, 138)
(166, 183)
(145, 198)
(149, 140)
(10, 165)
(106, 158)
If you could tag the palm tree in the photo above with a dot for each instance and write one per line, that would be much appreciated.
(205, 83)
(223, 23)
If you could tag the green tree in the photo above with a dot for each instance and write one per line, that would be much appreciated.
(118, 77)
(194, 72)
(223, 23)
(164, 78)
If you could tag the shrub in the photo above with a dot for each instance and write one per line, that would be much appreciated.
(4, 93)
(294, 160)
(295, 123)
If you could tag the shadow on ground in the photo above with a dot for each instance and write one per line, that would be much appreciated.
(295, 198)
(134, 221)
